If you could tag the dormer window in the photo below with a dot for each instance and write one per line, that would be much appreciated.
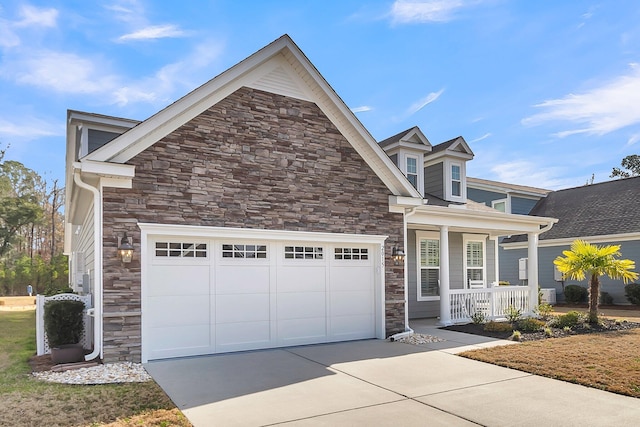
(456, 181)
(412, 170)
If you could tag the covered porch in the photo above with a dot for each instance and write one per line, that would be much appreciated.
(452, 262)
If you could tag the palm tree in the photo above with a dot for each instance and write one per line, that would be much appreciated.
(586, 259)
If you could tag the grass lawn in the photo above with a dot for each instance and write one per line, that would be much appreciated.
(28, 402)
(608, 361)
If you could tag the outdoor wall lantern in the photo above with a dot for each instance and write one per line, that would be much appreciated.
(398, 255)
(125, 249)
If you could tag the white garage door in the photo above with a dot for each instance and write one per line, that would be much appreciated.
(203, 296)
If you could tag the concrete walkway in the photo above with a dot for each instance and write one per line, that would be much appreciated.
(380, 383)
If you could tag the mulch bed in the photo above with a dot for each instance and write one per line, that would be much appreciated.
(604, 326)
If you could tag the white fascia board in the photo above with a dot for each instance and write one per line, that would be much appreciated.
(433, 158)
(399, 203)
(497, 223)
(104, 169)
(247, 233)
(611, 239)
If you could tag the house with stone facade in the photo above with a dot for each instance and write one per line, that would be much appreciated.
(258, 212)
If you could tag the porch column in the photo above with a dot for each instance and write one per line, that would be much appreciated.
(532, 273)
(445, 307)
(496, 248)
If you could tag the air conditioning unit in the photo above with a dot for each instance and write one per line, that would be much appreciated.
(548, 295)
(523, 268)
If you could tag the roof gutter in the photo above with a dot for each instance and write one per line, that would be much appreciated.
(96, 311)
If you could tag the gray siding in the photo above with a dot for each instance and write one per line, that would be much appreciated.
(434, 180)
(83, 242)
(394, 159)
(509, 269)
(521, 205)
(484, 196)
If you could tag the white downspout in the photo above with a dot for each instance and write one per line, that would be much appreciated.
(407, 330)
(97, 244)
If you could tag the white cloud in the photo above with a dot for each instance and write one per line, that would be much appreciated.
(604, 109)
(633, 139)
(361, 109)
(33, 16)
(524, 172)
(485, 136)
(419, 105)
(28, 128)
(412, 11)
(60, 72)
(154, 32)
(69, 73)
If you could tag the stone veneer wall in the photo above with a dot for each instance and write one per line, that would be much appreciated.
(254, 160)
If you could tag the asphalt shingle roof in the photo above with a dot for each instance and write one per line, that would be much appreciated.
(611, 207)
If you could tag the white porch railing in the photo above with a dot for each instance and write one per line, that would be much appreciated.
(42, 342)
(493, 302)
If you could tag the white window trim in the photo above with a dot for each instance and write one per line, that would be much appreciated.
(506, 201)
(403, 156)
(421, 235)
(466, 238)
(449, 179)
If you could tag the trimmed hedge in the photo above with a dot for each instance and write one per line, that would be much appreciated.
(63, 322)
(632, 291)
(575, 294)
(569, 319)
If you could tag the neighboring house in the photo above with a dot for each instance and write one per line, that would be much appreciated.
(605, 213)
(263, 214)
(509, 198)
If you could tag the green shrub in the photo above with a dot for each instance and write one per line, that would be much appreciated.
(530, 325)
(516, 336)
(498, 327)
(569, 320)
(575, 294)
(632, 291)
(606, 298)
(548, 332)
(504, 283)
(478, 317)
(513, 314)
(544, 310)
(63, 322)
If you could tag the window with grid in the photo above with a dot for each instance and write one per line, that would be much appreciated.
(244, 251)
(412, 171)
(303, 252)
(429, 268)
(456, 181)
(475, 262)
(356, 254)
(181, 250)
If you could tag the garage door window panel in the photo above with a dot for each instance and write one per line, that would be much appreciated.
(180, 250)
(351, 254)
(303, 252)
(246, 251)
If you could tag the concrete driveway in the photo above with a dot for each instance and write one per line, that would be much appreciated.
(379, 383)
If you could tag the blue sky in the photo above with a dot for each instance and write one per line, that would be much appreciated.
(545, 92)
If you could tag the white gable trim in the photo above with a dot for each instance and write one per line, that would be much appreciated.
(307, 83)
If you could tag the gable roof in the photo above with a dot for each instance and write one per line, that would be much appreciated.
(606, 208)
(410, 137)
(456, 147)
(279, 67)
